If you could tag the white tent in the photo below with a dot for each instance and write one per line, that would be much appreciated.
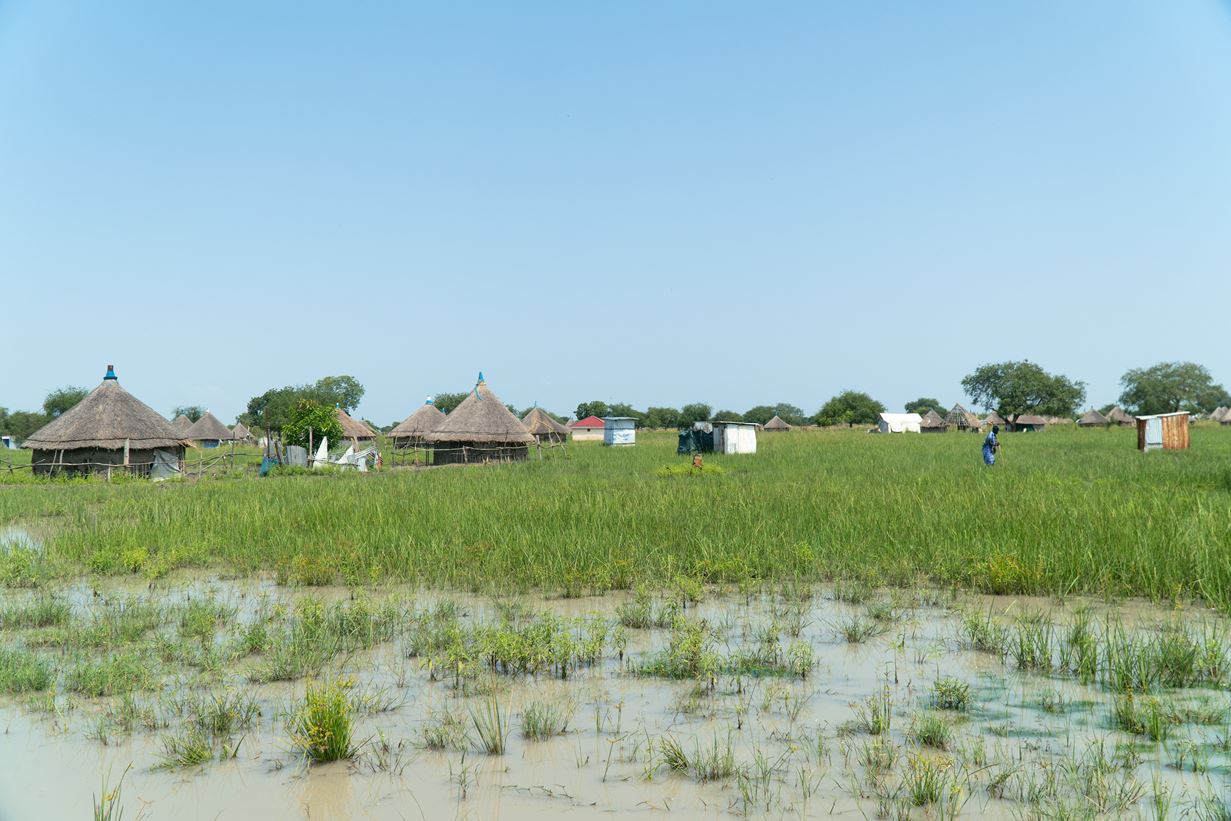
(899, 422)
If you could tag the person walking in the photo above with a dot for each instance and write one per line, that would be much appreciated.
(990, 445)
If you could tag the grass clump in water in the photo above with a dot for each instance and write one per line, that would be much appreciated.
(321, 727)
(45, 611)
(541, 720)
(119, 674)
(875, 715)
(445, 731)
(951, 694)
(23, 672)
(491, 727)
(931, 730)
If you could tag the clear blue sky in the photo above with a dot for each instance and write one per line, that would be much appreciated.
(648, 202)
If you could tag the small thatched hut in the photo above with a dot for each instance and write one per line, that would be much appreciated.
(208, 431)
(1117, 416)
(776, 424)
(353, 429)
(962, 419)
(181, 423)
(240, 433)
(933, 422)
(481, 429)
(1027, 422)
(1092, 419)
(543, 428)
(108, 430)
(426, 418)
(994, 418)
(1219, 414)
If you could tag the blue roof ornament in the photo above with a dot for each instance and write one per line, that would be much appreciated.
(430, 401)
(110, 373)
(476, 387)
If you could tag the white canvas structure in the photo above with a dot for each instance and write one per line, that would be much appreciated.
(322, 454)
(8, 442)
(899, 422)
(619, 430)
(166, 465)
(735, 437)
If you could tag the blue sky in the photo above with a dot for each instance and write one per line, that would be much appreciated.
(648, 202)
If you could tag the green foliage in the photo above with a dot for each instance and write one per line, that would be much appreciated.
(1023, 387)
(727, 416)
(661, 418)
(692, 413)
(785, 411)
(193, 412)
(595, 408)
(924, 404)
(849, 408)
(308, 415)
(275, 408)
(448, 402)
(23, 672)
(21, 423)
(1172, 386)
(321, 727)
(62, 399)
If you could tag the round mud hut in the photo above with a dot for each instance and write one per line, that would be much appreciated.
(182, 424)
(481, 429)
(543, 428)
(353, 429)
(110, 430)
(411, 432)
(208, 431)
(776, 424)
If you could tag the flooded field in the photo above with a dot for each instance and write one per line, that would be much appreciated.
(189, 694)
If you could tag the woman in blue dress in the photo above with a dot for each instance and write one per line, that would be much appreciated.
(990, 445)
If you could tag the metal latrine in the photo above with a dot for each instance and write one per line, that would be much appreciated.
(1163, 431)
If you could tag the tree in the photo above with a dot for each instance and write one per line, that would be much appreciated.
(309, 415)
(448, 402)
(922, 405)
(342, 391)
(759, 414)
(727, 416)
(23, 423)
(61, 399)
(275, 407)
(193, 412)
(1013, 388)
(595, 408)
(692, 413)
(1172, 386)
(625, 409)
(662, 417)
(849, 408)
(785, 411)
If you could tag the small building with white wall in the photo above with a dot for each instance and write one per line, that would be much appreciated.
(619, 430)
(899, 422)
(735, 437)
(589, 429)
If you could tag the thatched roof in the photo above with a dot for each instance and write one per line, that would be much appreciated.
(1028, 419)
(1117, 416)
(353, 428)
(208, 428)
(240, 431)
(777, 424)
(932, 419)
(1092, 418)
(994, 418)
(961, 417)
(481, 417)
(539, 423)
(105, 419)
(1219, 414)
(426, 418)
(181, 423)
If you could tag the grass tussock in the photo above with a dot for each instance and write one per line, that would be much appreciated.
(321, 727)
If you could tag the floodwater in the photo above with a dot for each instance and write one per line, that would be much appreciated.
(792, 739)
(18, 538)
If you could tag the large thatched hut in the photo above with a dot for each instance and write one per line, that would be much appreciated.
(181, 423)
(240, 433)
(776, 424)
(962, 419)
(994, 418)
(933, 422)
(109, 430)
(426, 418)
(543, 428)
(1092, 419)
(1117, 416)
(208, 431)
(481, 429)
(354, 429)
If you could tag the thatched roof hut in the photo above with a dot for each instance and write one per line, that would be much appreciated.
(776, 424)
(933, 422)
(354, 429)
(543, 427)
(994, 418)
(1117, 416)
(109, 429)
(480, 429)
(962, 419)
(1028, 422)
(426, 418)
(1219, 414)
(209, 431)
(240, 433)
(1092, 419)
(181, 423)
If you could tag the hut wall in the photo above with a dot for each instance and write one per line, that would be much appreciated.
(459, 453)
(587, 434)
(85, 461)
(550, 436)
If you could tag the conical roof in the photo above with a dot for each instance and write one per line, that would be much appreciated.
(424, 420)
(240, 431)
(181, 423)
(539, 423)
(208, 428)
(1117, 416)
(1091, 418)
(958, 415)
(1219, 414)
(106, 418)
(932, 419)
(481, 417)
(777, 424)
(353, 428)
(994, 418)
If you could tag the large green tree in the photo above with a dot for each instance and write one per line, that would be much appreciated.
(924, 404)
(274, 408)
(61, 399)
(1172, 386)
(1012, 388)
(692, 413)
(309, 422)
(193, 412)
(849, 408)
(447, 402)
(595, 408)
(661, 417)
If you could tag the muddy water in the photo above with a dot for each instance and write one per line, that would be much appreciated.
(796, 730)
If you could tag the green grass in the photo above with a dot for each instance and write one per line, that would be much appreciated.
(321, 727)
(23, 672)
(1068, 511)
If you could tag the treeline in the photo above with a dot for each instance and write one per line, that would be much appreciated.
(21, 424)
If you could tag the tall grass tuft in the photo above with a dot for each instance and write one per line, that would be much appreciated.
(321, 727)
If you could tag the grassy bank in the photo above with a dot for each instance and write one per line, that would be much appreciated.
(1065, 511)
